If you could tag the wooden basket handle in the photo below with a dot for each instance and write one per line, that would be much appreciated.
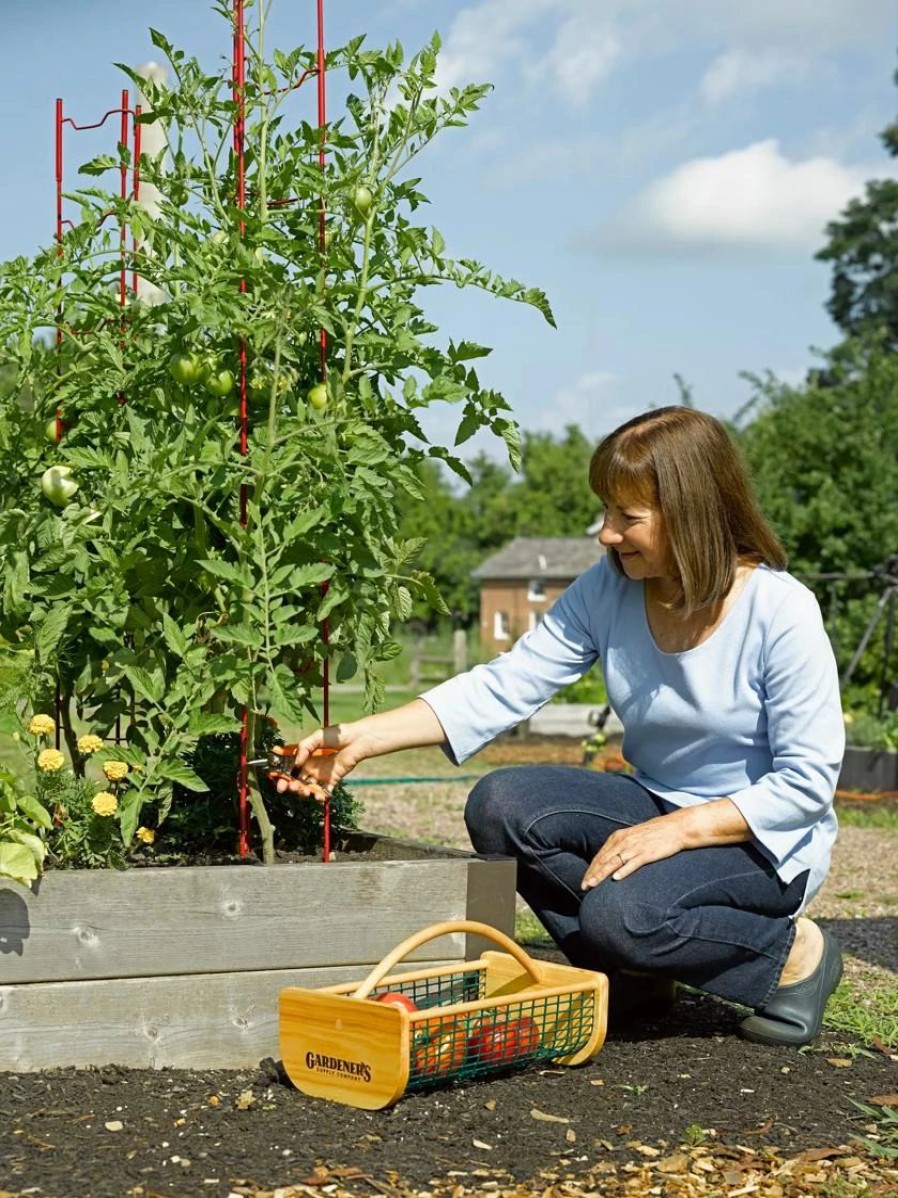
(446, 928)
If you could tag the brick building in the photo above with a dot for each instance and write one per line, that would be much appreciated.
(521, 582)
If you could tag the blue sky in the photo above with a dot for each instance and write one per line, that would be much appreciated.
(662, 168)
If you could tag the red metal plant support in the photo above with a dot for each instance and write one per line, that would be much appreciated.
(124, 111)
(239, 144)
(239, 141)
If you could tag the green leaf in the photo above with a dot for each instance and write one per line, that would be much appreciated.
(49, 631)
(99, 165)
(302, 522)
(177, 771)
(228, 571)
(285, 697)
(35, 811)
(316, 573)
(238, 634)
(288, 634)
(35, 846)
(348, 668)
(403, 603)
(129, 810)
(17, 862)
(15, 582)
(174, 636)
(146, 685)
(208, 723)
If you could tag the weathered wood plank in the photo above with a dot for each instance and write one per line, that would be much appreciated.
(491, 899)
(197, 920)
(211, 1021)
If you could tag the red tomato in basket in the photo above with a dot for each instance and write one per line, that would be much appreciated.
(394, 999)
(439, 1049)
(503, 1042)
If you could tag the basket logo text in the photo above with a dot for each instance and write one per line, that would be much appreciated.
(318, 1062)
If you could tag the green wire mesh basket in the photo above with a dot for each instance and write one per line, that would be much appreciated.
(366, 1044)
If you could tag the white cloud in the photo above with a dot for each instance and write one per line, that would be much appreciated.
(589, 402)
(583, 55)
(750, 198)
(742, 70)
(484, 37)
(585, 39)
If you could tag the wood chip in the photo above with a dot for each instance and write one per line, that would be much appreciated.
(546, 1118)
(481, 1144)
(839, 1062)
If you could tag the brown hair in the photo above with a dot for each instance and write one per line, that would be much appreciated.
(684, 464)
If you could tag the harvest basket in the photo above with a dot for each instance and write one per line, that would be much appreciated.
(473, 1020)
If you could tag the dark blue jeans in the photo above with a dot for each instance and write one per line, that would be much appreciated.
(715, 918)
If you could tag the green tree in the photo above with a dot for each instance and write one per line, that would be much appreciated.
(825, 463)
(550, 497)
(863, 250)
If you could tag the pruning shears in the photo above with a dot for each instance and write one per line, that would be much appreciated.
(280, 765)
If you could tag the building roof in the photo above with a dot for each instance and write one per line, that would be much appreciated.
(541, 557)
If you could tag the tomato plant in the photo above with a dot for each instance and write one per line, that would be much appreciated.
(394, 998)
(502, 1042)
(439, 1048)
(157, 598)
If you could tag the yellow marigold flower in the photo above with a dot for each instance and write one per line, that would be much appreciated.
(41, 725)
(115, 770)
(105, 803)
(89, 744)
(50, 761)
(147, 835)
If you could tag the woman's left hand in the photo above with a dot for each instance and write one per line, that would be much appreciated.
(629, 848)
(714, 822)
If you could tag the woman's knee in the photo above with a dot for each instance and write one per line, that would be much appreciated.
(626, 929)
(490, 810)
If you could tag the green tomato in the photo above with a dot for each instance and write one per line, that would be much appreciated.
(219, 382)
(58, 485)
(363, 199)
(185, 369)
(50, 430)
(317, 397)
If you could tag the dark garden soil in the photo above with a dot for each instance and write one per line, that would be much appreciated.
(673, 1105)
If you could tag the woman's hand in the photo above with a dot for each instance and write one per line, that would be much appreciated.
(715, 822)
(629, 848)
(327, 755)
(322, 760)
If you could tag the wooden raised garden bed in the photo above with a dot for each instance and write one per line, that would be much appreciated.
(869, 771)
(182, 966)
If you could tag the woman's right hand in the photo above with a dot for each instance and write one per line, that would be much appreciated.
(323, 759)
(326, 756)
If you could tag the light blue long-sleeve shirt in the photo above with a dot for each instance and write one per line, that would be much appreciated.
(752, 714)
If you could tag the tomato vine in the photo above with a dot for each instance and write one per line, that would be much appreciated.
(146, 598)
